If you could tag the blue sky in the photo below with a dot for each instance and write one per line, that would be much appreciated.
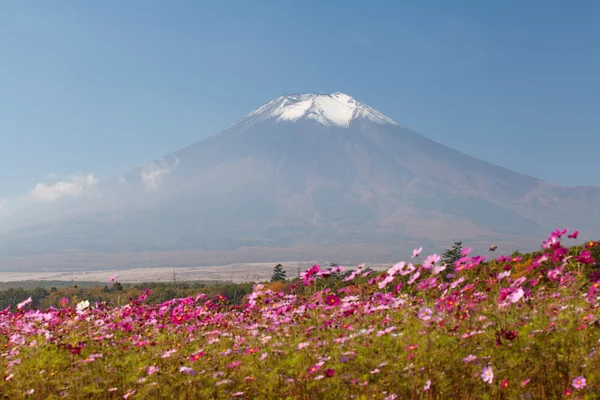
(101, 87)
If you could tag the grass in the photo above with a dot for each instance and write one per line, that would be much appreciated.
(509, 329)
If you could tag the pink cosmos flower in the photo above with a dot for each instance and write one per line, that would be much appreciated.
(469, 358)
(313, 369)
(516, 295)
(23, 303)
(425, 313)
(579, 382)
(431, 260)
(168, 353)
(504, 274)
(487, 374)
(385, 281)
(414, 277)
(187, 370)
(574, 234)
(438, 268)
(409, 269)
(396, 268)
(112, 278)
(302, 345)
(152, 369)
(416, 252)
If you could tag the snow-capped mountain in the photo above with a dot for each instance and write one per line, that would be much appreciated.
(336, 109)
(306, 175)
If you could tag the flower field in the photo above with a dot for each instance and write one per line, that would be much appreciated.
(505, 329)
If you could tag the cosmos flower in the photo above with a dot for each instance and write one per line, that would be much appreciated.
(425, 313)
(487, 374)
(579, 382)
(81, 306)
(23, 303)
(187, 370)
(416, 252)
(469, 358)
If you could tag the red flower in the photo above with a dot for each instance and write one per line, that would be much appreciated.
(330, 373)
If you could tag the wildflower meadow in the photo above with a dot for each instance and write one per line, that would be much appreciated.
(511, 328)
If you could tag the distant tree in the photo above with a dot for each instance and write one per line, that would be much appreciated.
(452, 255)
(117, 287)
(279, 274)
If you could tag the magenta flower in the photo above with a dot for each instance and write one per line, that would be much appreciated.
(332, 300)
(313, 369)
(112, 278)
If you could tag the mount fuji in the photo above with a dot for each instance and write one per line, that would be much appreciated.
(301, 176)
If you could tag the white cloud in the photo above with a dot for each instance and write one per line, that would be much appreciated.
(152, 174)
(74, 186)
(3, 204)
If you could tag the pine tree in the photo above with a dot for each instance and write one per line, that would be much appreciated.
(279, 273)
(453, 254)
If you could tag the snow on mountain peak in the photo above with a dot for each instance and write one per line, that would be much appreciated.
(336, 109)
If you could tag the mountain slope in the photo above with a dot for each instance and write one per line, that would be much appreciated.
(313, 169)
